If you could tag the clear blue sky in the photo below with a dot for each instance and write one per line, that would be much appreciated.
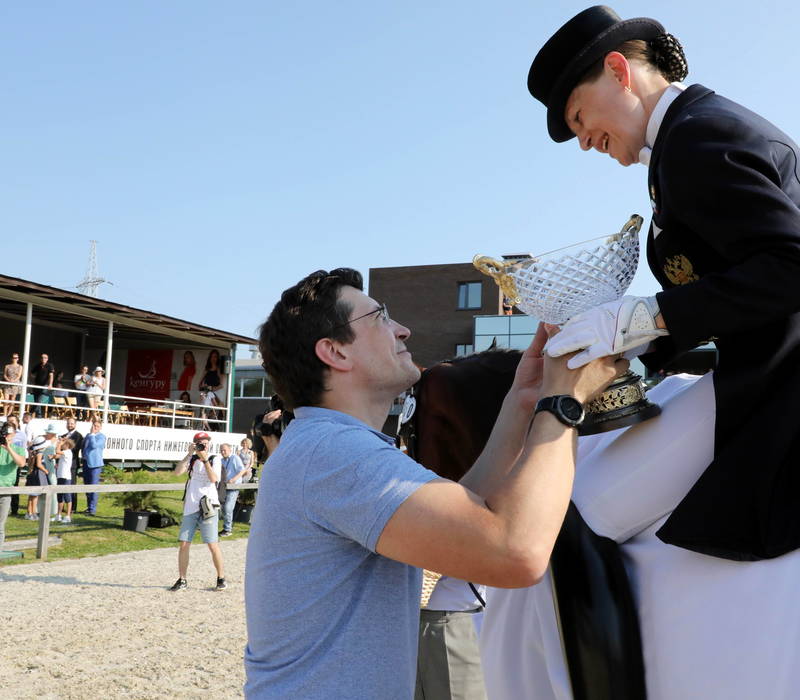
(220, 151)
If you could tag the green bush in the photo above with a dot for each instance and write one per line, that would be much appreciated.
(112, 474)
(136, 500)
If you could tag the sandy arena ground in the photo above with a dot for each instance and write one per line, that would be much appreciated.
(107, 627)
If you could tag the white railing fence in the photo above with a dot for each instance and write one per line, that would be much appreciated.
(49, 493)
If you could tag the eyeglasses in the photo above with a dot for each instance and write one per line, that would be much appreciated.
(382, 311)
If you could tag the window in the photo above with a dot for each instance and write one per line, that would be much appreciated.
(464, 349)
(253, 386)
(469, 295)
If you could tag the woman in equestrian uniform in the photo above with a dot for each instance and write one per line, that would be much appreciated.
(724, 243)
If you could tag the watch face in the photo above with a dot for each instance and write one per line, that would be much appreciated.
(571, 408)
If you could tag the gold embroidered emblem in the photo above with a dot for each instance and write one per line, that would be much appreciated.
(679, 270)
(653, 199)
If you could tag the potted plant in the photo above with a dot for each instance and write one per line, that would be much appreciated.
(136, 503)
(161, 516)
(244, 506)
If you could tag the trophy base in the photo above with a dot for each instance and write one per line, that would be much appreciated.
(623, 403)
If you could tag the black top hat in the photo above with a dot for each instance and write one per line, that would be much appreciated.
(572, 50)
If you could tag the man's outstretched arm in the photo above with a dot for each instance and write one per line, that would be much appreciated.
(504, 536)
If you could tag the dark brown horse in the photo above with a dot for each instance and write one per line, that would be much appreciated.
(457, 405)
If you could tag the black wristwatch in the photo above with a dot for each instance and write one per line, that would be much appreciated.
(564, 407)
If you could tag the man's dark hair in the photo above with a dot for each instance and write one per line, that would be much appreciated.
(305, 313)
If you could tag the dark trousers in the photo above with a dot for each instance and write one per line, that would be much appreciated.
(91, 475)
(75, 481)
(15, 497)
(37, 398)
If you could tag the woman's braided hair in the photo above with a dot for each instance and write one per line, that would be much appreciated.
(669, 57)
(664, 54)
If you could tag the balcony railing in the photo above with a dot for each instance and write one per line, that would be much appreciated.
(61, 403)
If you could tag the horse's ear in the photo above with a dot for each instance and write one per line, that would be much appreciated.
(493, 346)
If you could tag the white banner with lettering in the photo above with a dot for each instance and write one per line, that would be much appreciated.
(136, 442)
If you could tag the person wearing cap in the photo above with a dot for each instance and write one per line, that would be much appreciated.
(37, 474)
(92, 450)
(205, 472)
(49, 461)
(704, 531)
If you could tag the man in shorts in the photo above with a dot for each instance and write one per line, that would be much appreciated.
(204, 473)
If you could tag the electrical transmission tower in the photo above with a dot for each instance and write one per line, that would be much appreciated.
(89, 284)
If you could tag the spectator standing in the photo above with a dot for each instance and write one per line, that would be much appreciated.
(232, 472)
(93, 445)
(37, 474)
(183, 405)
(82, 381)
(205, 471)
(64, 457)
(20, 439)
(97, 388)
(27, 427)
(248, 458)
(12, 375)
(73, 434)
(42, 376)
(12, 457)
(49, 461)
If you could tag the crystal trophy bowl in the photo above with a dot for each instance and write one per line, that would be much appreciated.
(563, 283)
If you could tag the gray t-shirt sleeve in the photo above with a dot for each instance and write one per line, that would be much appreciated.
(355, 486)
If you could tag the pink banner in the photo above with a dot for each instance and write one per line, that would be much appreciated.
(148, 373)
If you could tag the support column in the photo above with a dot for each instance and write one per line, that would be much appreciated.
(109, 348)
(231, 382)
(26, 364)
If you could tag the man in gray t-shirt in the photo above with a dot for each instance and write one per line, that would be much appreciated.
(344, 519)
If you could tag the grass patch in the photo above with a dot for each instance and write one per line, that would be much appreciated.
(94, 536)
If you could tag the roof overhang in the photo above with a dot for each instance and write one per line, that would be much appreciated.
(54, 306)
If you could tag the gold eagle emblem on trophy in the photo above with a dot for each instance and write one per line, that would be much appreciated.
(679, 270)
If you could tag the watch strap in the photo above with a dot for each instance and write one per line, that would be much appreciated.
(552, 404)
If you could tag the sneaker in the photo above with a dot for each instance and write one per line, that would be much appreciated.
(221, 585)
(66, 521)
(58, 519)
(28, 516)
(179, 585)
(225, 533)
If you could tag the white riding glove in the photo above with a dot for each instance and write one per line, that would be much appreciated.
(627, 324)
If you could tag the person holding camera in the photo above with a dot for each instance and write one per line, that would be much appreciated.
(11, 458)
(200, 507)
